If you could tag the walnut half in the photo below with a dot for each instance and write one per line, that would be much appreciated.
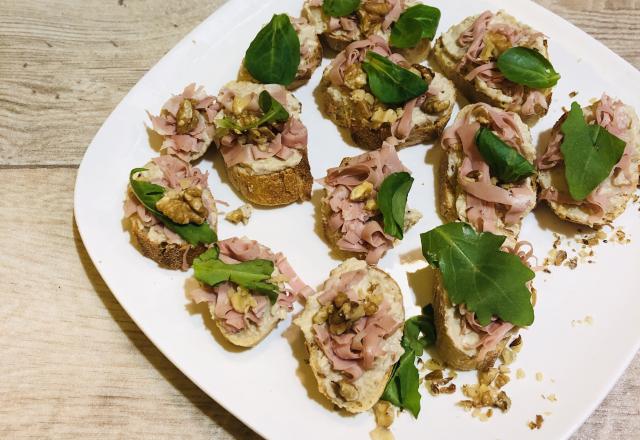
(183, 207)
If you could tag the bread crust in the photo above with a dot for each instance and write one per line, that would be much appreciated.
(273, 189)
(450, 352)
(317, 356)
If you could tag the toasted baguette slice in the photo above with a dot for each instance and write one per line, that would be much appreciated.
(240, 322)
(310, 54)
(366, 22)
(455, 342)
(361, 394)
(266, 181)
(452, 200)
(156, 241)
(450, 53)
(347, 100)
(610, 199)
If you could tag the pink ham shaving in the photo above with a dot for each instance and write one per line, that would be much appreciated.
(236, 250)
(482, 195)
(472, 66)
(185, 146)
(397, 6)
(293, 135)
(356, 350)
(360, 230)
(612, 116)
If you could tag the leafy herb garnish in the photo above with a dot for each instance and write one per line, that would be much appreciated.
(590, 152)
(210, 270)
(272, 111)
(528, 67)
(274, 55)
(479, 275)
(149, 194)
(391, 83)
(392, 202)
(415, 24)
(506, 164)
(340, 8)
(402, 390)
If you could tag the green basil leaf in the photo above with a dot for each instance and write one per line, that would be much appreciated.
(273, 56)
(208, 269)
(390, 83)
(528, 67)
(590, 152)
(149, 194)
(340, 8)
(415, 326)
(392, 202)
(478, 274)
(505, 162)
(416, 23)
(403, 388)
(272, 111)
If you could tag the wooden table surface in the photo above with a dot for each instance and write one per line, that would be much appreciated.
(73, 364)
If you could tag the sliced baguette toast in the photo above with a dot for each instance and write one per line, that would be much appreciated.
(362, 393)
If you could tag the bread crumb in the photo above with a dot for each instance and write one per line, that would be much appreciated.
(520, 373)
(539, 377)
(240, 215)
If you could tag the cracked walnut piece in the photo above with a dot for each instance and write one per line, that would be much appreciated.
(183, 207)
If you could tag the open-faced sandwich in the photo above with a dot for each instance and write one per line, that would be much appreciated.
(487, 176)
(263, 143)
(408, 25)
(377, 94)
(495, 59)
(170, 211)
(286, 51)
(482, 294)
(589, 170)
(248, 288)
(186, 123)
(364, 207)
(353, 328)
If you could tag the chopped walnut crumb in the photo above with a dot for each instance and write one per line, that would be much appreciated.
(433, 364)
(552, 398)
(572, 263)
(520, 373)
(539, 376)
(242, 214)
(559, 258)
(384, 414)
(538, 422)
(508, 356)
(573, 94)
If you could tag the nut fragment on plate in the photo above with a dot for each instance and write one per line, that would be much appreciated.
(537, 424)
(242, 214)
(384, 413)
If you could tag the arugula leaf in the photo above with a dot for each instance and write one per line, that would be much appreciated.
(528, 67)
(479, 275)
(505, 162)
(590, 152)
(340, 8)
(273, 56)
(402, 390)
(149, 194)
(392, 202)
(390, 83)
(416, 23)
(272, 111)
(208, 269)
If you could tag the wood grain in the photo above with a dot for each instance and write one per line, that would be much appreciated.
(73, 364)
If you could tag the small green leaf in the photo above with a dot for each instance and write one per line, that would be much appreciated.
(273, 56)
(416, 325)
(392, 202)
(340, 8)
(272, 111)
(149, 194)
(416, 23)
(505, 162)
(390, 83)
(528, 67)
(208, 269)
(479, 275)
(590, 152)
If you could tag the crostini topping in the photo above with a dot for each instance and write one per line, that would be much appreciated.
(186, 122)
(358, 221)
(184, 206)
(477, 273)
(340, 8)
(389, 82)
(487, 41)
(415, 24)
(504, 162)
(402, 390)
(348, 391)
(392, 202)
(613, 117)
(273, 56)
(483, 195)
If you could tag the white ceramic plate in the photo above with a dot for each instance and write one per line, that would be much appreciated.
(270, 387)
